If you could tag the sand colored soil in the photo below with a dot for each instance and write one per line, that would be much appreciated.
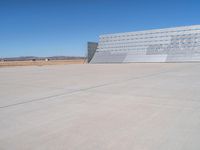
(40, 63)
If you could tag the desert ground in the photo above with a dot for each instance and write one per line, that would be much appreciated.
(40, 62)
(141, 106)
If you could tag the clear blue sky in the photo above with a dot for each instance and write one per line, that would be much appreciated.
(48, 28)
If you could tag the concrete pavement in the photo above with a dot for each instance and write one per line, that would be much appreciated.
(141, 106)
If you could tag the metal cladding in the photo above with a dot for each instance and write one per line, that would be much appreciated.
(180, 44)
(91, 47)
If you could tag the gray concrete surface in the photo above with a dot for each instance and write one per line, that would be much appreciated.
(99, 107)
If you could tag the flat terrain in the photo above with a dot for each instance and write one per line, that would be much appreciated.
(137, 106)
(39, 63)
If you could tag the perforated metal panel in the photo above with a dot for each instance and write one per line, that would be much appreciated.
(160, 45)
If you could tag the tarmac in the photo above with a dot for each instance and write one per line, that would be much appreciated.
(134, 106)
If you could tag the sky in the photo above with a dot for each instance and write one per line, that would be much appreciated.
(63, 27)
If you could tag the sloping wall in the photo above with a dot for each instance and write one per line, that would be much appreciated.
(178, 44)
(91, 47)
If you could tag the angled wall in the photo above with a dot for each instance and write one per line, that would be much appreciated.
(91, 47)
(180, 44)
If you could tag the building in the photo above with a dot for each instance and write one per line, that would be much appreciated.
(179, 44)
(47, 59)
(92, 47)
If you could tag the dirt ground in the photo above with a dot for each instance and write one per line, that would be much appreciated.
(40, 62)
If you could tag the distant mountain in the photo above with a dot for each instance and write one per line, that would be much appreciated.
(27, 58)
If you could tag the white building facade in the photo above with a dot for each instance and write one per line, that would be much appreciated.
(179, 44)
